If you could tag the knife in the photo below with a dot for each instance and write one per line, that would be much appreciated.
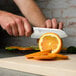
(38, 32)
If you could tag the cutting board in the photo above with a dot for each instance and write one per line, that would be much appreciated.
(46, 68)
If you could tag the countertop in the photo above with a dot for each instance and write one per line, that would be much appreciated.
(47, 68)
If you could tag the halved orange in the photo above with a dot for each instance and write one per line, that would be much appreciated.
(50, 41)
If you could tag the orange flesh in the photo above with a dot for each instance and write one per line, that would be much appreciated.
(49, 43)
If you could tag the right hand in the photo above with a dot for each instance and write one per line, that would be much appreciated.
(15, 25)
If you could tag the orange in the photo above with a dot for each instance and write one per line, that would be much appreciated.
(50, 41)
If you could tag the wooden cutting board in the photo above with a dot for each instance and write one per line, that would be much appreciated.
(48, 68)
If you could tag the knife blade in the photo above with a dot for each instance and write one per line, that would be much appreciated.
(38, 32)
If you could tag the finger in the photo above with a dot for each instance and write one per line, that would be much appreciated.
(9, 29)
(28, 28)
(20, 26)
(60, 25)
(54, 23)
(14, 29)
(48, 23)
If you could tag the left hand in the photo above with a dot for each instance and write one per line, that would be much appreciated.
(54, 24)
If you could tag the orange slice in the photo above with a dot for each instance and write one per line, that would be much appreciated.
(43, 55)
(50, 41)
(21, 48)
(29, 56)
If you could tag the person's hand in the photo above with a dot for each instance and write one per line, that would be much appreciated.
(15, 25)
(54, 24)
